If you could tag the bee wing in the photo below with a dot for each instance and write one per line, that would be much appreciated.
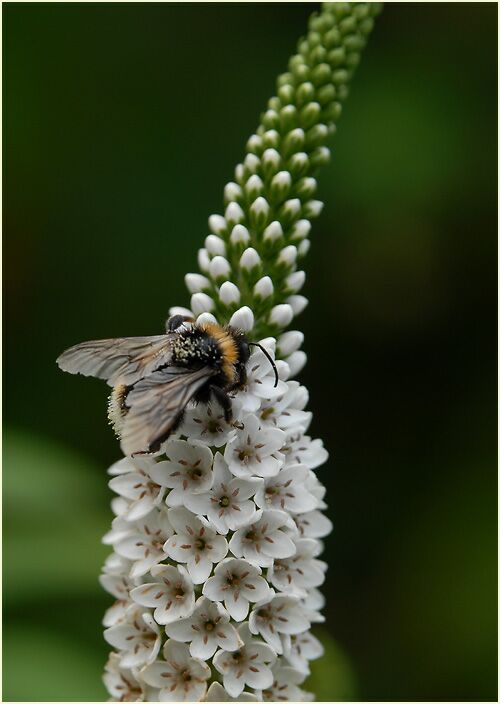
(156, 403)
(121, 359)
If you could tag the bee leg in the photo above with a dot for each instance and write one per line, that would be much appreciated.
(175, 321)
(225, 402)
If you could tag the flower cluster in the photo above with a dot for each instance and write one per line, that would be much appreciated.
(216, 536)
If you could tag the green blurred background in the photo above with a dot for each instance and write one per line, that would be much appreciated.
(122, 122)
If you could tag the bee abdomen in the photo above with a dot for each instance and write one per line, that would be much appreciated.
(117, 408)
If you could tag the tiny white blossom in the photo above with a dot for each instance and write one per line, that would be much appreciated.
(236, 583)
(180, 677)
(300, 648)
(134, 482)
(119, 586)
(207, 629)
(278, 614)
(123, 683)
(301, 571)
(187, 471)
(263, 540)
(284, 687)
(138, 637)
(303, 450)
(242, 319)
(313, 524)
(254, 450)
(217, 693)
(260, 383)
(206, 424)
(171, 594)
(312, 603)
(227, 505)
(194, 543)
(145, 545)
(314, 207)
(246, 666)
(286, 491)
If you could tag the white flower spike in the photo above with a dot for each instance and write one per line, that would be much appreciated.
(217, 535)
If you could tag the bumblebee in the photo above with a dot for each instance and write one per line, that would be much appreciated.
(154, 378)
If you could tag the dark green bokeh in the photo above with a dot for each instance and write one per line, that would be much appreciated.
(122, 122)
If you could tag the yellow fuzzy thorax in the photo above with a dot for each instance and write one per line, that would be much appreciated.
(227, 346)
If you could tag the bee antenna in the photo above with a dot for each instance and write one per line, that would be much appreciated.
(271, 360)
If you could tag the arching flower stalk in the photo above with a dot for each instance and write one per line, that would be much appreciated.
(216, 538)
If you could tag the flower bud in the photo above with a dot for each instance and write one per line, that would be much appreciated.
(288, 118)
(303, 248)
(309, 115)
(290, 210)
(273, 232)
(217, 224)
(280, 185)
(259, 213)
(203, 259)
(312, 208)
(295, 281)
(254, 187)
(219, 268)
(280, 316)
(239, 235)
(232, 192)
(298, 164)
(290, 342)
(242, 319)
(288, 256)
(296, 361)
(316, 136)
(201, 303)
(254, 144)
(263, 288)
(297, 303)
(319, 157)
(251, 163)
(305, 93)
(229, 294)
(306, 187)
(250, 259)
(196, 283)
(215, 245)
(271, 139)
(300, 230)
(270, 119)
(234, 214)
(294, 141)
(206, 319)
(179, 310)
(270, 162)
